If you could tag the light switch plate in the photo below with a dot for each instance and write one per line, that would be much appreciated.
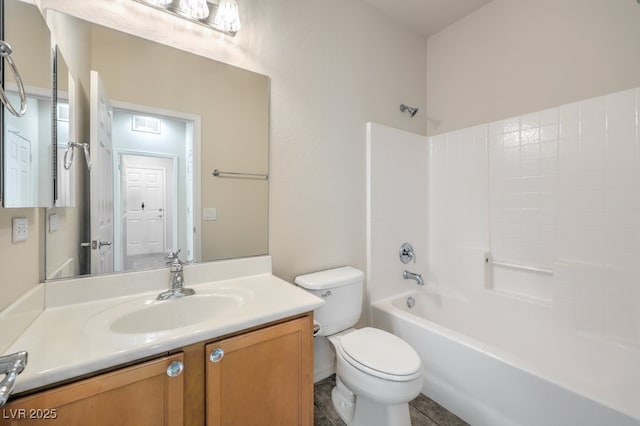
(20, 229)
(210, 213)
(53, 222)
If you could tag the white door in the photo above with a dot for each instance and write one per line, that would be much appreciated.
(18, 169)
(144, 191)
(101, 177)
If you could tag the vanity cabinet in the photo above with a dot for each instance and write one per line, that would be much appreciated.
(257, 377)
(143, 394)
(264, 377)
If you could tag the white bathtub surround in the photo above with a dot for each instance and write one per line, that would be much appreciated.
(396, 205)
(559, 188)
(525, 371)
(74, 335)
(534, 221)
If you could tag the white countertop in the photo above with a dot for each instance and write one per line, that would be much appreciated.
(71, 340)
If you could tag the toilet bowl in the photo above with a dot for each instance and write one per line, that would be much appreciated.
(377, 373)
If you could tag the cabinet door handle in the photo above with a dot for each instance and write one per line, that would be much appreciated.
(216, 355)
(175, 369)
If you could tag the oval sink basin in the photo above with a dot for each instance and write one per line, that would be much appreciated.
(149, 315)
(176, 313)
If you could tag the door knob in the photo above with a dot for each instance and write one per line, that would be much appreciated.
(96, 244)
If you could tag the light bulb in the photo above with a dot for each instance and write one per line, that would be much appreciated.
(227, 19)
(159, 2)
(196, 9)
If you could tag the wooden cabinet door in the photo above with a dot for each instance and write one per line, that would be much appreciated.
(139, 395)
(264, 378)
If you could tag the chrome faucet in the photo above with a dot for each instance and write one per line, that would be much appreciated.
(10, 366)
(411, 276)
(176, 281)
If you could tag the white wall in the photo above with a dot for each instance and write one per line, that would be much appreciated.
(513, 56)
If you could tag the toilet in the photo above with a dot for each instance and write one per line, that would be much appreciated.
(377, 373)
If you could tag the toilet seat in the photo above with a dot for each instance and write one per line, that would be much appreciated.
(380, 354)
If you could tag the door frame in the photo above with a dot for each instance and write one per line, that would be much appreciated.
(196, 141)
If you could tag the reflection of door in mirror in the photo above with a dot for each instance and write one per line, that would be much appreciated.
(146, 201)
(101, 178)
(154, 185)
(27, 149)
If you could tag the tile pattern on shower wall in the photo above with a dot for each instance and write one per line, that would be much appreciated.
(458, 207)
(523, 174)
(599, 215)
(562, 192)
(565, 195)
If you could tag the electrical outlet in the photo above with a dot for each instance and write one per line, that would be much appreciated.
(20, 229)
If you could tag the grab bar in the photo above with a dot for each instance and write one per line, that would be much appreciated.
(11, 366)
(5, 52)
(520, 266)
(220, 173)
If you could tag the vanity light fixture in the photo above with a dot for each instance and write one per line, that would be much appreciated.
(227, 18)
(196, 9)
(222, 17)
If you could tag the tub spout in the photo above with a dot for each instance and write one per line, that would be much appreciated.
(411, 276)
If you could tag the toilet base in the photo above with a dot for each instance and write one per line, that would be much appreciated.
(365, 412)
(343, 404)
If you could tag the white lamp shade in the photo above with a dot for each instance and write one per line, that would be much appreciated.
(227, 19)
(197, 9)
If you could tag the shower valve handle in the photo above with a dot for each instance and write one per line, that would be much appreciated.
(407, 253)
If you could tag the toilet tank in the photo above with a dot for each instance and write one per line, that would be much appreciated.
(341, 289)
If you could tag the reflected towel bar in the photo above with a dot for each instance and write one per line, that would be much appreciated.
(521, 267)
(220, 173)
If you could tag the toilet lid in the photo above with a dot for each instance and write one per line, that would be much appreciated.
(381, 354)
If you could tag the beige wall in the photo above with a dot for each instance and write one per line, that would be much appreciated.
(21, 263)
(233, 105)
(27, 33)
(513, 56)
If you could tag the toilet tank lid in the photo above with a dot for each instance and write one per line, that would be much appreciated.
(337, 277)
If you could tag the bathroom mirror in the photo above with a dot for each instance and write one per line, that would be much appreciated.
(155, 122)
(27, 153)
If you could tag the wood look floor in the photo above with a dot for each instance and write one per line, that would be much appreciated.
(424, 411)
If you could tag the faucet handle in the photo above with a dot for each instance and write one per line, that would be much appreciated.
(407, 254)
(172, 257)
(11, 366)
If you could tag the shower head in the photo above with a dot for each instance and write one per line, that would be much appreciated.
(412, 111)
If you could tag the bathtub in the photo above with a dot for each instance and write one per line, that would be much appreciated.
(494, 361)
